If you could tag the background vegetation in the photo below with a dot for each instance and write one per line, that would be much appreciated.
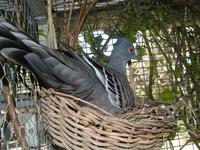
(168, 43)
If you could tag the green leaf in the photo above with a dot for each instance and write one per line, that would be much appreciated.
(98, 40)
(167, 95)
(132, 38)
(177, 73)
(42, 33)
(79, 48)
(87, 38)
(141, 51)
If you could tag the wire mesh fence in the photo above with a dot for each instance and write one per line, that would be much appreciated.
(162, 87)
(166, 83)
(19, 13)
(20, 86)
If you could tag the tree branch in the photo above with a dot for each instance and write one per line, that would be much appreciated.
(52, 34)
(86, 7)
(13, 115)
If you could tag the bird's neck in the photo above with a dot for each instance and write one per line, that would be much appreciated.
(117, 66)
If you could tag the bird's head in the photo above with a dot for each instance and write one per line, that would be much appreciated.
(123, 50)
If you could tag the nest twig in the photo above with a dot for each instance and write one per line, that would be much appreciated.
(74, 127)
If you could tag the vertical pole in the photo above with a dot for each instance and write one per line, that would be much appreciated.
(52, 35)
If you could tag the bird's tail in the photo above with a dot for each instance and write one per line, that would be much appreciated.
(14, 44)
(21, 49)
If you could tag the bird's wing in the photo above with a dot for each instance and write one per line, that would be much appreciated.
(113, 88)
(117, 86)
(63, 70)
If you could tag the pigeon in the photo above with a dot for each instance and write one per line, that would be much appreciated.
(64, 70)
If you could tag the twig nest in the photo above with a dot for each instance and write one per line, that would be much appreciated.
(74, 127)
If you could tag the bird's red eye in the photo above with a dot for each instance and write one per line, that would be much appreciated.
(130, 49)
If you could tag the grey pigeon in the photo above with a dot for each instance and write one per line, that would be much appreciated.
(68, 72)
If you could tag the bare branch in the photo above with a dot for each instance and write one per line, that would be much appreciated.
(85, 8)
(13, 115)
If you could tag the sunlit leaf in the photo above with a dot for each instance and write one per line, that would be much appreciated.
(167, 95)
(87, 37)
(141, 51)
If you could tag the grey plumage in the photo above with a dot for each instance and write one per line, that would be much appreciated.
(66, 71)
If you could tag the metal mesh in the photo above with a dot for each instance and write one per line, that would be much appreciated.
(19, 13)
(167, 83)
(162, 86)
(23, 89)
(23, 86)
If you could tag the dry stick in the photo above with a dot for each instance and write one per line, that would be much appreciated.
(151, 68)
(87, 6)
(13, 115)
(131, 77)
(165, 55)
(67, 20)
(70, 15)
(18, 14)
(52, 37)
(64, 33)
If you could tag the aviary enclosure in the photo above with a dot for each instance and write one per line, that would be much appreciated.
(166, 35)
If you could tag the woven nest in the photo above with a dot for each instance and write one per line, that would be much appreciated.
(74, 127)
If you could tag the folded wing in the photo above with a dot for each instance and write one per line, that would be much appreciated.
(64, 71)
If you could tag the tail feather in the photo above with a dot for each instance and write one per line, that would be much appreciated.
(62, 70)
(4, 33)
(16, 55)
(5, 43)
(7, 25)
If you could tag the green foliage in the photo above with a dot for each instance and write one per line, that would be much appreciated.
(167, 95)
(42, 33)
(182, 128)
(171, 40)
(154, 68)
(175, 34)
(79, 48)
(177, 73)
(141, 51)
(141, 15)
(97, 48)
(87, 37)
(181, 125)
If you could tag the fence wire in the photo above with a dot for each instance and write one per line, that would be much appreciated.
(162, 86)
(23, 86)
